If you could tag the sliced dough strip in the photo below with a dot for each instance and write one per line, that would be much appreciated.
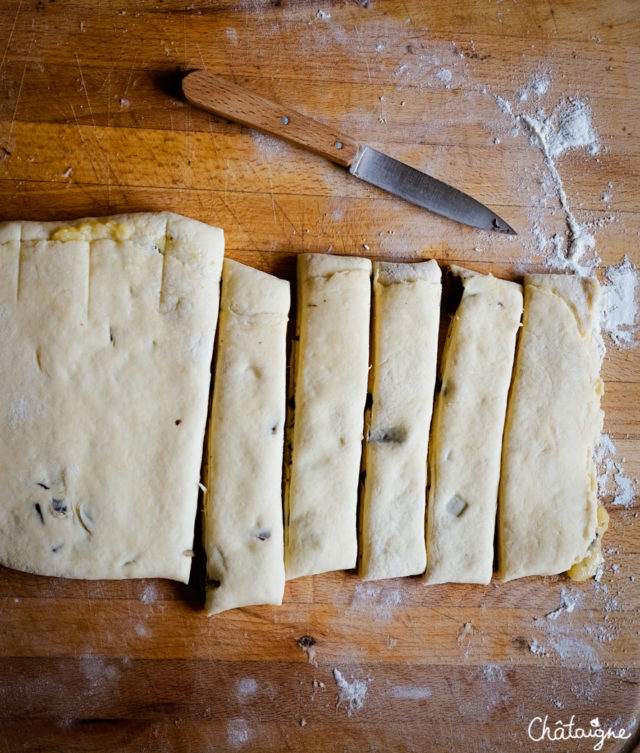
(405, 344)
(468, 423)
(548, 514)
(243, 533)
(105, 373)
(331, 364)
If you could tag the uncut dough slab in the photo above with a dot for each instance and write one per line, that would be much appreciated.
(468, 423)
(243, 534)
(331, 365)
(548, 491)
(405, 344)
(107, 331)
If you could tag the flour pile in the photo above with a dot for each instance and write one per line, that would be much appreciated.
(352, 694)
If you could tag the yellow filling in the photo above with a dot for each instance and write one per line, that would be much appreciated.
(94, 230)
(587, 566)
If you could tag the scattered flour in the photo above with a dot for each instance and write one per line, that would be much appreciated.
(413, 692)
(537, 649)
(444, 74)
(626, 493)
(611, 478)
(246, 687)
(380, 599)
(568, 602)
(494, 673)
(567, 644)
(598, 576)
(149, 594)
(539, 84)
(619, 309)
(352, 694)
(568, 127)
(238, 733)
(504, 106)
(98, 673)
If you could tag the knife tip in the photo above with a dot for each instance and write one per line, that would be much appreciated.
(500, 226)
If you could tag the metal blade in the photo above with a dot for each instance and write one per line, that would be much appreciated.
(421, 189)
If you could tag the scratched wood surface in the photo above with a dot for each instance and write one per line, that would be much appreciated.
(91, 122)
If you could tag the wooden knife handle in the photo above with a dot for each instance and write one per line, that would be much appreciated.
(233, 102)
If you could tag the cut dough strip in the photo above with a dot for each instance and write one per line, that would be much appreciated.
(548, 516)
(107, 331)
(331, 364)
(406, 318)
(468, 423)
(243, 534)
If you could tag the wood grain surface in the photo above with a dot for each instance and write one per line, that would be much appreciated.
(92, 122)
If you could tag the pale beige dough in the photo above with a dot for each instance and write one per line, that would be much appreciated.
(405, 344)
(243, 533)
(468, 423)
(331, 364)
(106, 330)
(548, 491)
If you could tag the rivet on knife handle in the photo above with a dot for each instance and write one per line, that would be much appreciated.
(222, 97)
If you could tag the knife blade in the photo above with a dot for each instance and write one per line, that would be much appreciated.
(225, 98)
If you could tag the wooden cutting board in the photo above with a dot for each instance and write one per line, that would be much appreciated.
(91, 123)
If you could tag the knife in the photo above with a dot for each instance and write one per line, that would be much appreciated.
(222, 97)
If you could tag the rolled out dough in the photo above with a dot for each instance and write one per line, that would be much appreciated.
(405, 344)
(548, 514)
(106, 335)
(243, 534)
(468, 423)
(331, 364)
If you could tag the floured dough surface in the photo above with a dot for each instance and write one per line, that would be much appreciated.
(406, 317)
(468, 423)
(243, 533)
(331, 365)
(548, 491)
(106, 333)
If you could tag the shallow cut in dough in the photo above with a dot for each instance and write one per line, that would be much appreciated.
(243, 533)
(106, 331)
(331, 365)
(468, 423)
(548, 513)
(405, 345)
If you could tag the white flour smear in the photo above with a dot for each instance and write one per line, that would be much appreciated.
(562, 640)
(568, 602)
(409, 692)
(351, 694)
(567, 128)
(619, 309)
(611, 477)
